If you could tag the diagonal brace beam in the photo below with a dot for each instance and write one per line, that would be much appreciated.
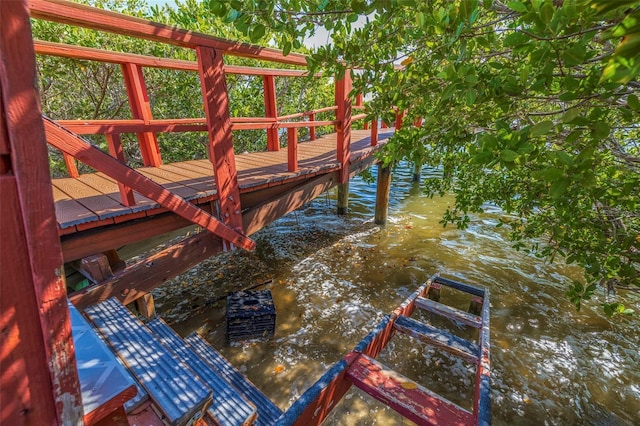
(75, 146)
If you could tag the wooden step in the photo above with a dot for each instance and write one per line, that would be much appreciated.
(176, 392)
(268, 412)
(466, 288)
(449, 312)
(408, 398)
(105, 384)
(453, 344)
(229, 406)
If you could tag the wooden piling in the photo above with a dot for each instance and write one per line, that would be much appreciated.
(343, 198)
(417, 170)
(382, 194)
(146, 306)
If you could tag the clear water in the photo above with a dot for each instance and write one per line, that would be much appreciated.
(334, 278)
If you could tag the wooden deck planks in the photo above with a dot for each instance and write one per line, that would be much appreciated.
(93, 198)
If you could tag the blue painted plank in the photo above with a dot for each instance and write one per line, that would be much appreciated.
(268, 412)
(229, 407)
(176, 391)
(102, 377)
(473, 290)
(453, 344)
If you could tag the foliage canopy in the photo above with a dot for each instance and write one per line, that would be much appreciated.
(529, 105)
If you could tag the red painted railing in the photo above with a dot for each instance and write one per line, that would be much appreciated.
(212, 72)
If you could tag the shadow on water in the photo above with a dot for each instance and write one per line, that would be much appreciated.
(334, 278)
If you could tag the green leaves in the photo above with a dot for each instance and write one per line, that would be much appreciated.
(517, 6)
(541, 128)
(614, 309)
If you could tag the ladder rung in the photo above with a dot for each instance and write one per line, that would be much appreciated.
(453, 344)
(408, 398)
(449, 312)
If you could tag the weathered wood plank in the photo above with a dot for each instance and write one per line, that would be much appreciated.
(96, 201)
(68, 211)
(453, 344)
(449, 312)
(32, 270)
(139, 279)
(408, 398)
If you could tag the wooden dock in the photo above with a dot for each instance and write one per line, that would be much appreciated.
(51, 226)
(93, 200)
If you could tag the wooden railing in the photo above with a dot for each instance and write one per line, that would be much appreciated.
(212, 73)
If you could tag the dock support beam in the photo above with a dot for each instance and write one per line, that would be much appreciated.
(382, 194)
(417, 170)
(343, 198)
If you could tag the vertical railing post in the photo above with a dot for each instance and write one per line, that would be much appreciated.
(312, 129)
(374, 131)
(399, 117)
(39, 379)
(359, 103)
(216, 107)
(141, 110)
(115, 149)
(343, 116)
(292, 149)
(271, 111)
(72, 167)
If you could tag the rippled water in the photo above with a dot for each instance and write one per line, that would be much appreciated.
(550, 364)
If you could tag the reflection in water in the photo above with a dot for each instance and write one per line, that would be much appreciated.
(551, 364)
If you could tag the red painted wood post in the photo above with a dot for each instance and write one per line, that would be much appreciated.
(359, 102)
(343, 116)
(39, 380)
(399, 117)
(216, 106)
(271, 111)
(384, 125)
(312, 129)
(72, 167)
(141, 109)
(115, 149)
(292, 149)
(374, 131)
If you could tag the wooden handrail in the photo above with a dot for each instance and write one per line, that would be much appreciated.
(66, 12)
(90, 54)
(179, 125)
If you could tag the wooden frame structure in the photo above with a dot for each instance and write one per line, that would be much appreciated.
(39, 379)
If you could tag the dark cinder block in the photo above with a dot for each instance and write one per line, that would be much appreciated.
(251, 315)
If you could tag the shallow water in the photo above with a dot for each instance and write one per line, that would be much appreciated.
(334, 278)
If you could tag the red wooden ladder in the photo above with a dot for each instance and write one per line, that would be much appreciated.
(410, 399)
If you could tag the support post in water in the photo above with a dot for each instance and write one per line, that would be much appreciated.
(343, 198)
(382, 194)
(417, 169)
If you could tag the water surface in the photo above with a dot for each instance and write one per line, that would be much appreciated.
(333, 278)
